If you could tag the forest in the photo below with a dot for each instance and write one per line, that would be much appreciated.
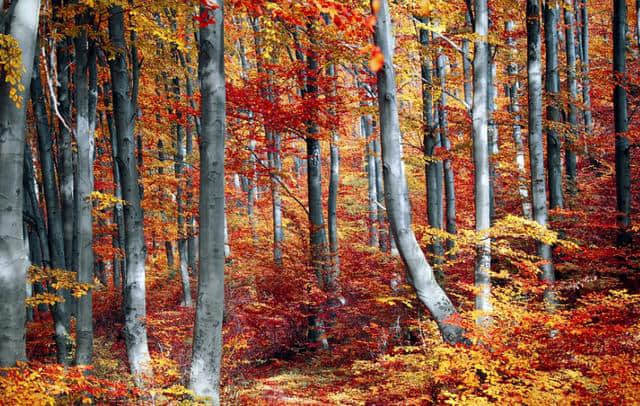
(319, 202)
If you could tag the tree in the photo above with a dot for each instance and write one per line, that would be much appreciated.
(134, 287)
(552, 87)
(623, 153)
(481, 159)
(22, 29)
(207, 334)
(395, 185)
(536, 152)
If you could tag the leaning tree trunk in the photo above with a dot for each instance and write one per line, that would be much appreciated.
(552, 86)
(572, 135)
(396, 190)
(54, 217)
(623, 164)
(536, 149)
(23, 27)
(207, 335)
(135, 331)
(481, 161)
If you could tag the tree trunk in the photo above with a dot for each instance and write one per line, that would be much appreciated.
(23, 27)
(334, 184)
(449, 178)
(119, 267)
(396, 190)
(370, 167)
(514, 108)
(431, 140)
(207, 336)
(536, 149)
(275, 160)
(552, 86)
(318, 238)
(481, 162)
(584, 57)
(385, 237)
(54, 218)
(124, 117)
(85, 141)
(572, 135)
(182, 232)
(623, 163)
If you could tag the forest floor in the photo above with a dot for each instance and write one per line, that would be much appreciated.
(384, 349)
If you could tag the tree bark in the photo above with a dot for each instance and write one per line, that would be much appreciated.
(86, 144)
(54, 218)
(623, 163)
(431, 140)
(449, 178)
(370, 167)
(481, 161)
(182, 232)
(584, 58)
(13, 259)
(124, 117)
(572, 85)
(552, 87)
(513, 90)
(396, 190)
(207, 336)
(536, 151)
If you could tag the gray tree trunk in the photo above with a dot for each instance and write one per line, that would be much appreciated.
(182, 232)
(13, 258)
(274, 158)
(623, 153)
(207, 336)
(481, 161)
(572, 85)
(119, 266)
(396, 190)
(584, 58)
(317, 233)
(135, 331)
(54, 218)
(513, 90)
(536, 148)
(85, 142)
(334, 184)
(431, 140)
(449, 178)
(370, 167)
(552, 87)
